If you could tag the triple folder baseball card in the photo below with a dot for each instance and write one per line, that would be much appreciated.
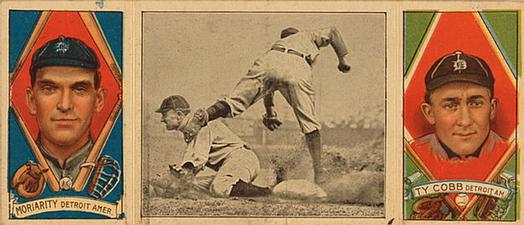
(260, 112)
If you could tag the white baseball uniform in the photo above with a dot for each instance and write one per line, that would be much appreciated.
(221, 158)
(283, 69)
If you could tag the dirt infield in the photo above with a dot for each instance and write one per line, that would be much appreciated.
(353, 179)
(257, 207)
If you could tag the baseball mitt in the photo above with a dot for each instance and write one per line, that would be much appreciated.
(429, 209)
(271, 121)
(29, 180)
(197, 120)
(105, 178)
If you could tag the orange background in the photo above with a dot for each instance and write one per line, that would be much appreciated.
(68, 24)
(459, 31)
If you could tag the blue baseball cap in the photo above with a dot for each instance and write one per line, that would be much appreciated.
(459, 67)
(63, 51)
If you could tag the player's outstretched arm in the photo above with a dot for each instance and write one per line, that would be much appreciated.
(337, 42)
(333, 37)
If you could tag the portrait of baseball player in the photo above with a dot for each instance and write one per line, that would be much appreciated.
(459, 122)
(65, 99)
(64, 95)
(459, 103)
(266, 106)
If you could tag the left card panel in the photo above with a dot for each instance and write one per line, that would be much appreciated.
(65, 157)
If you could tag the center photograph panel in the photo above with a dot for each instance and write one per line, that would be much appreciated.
(263, 114)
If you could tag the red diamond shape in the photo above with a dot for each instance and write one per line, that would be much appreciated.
(83, 26)
(80, 25)
(448, 33)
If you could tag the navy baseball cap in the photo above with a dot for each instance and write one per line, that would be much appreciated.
(459, 67)
(64, 51)
(175, 102)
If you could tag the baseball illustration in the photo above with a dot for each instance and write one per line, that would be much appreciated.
(66, 183)
(462, 200)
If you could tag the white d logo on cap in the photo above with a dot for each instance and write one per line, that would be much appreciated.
(459, 64)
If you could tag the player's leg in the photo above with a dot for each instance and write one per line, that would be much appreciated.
(314, 145)
(203, 179)
(300, 95)
(235, 175)
(247, 92)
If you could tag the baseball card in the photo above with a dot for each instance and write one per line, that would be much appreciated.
(460, 115)
(65, 126)
(254, 112)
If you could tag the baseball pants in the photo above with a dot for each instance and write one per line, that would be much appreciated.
(240, 164)
(290, 75)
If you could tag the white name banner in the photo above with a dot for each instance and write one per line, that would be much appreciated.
(21, 210)
(461, 186)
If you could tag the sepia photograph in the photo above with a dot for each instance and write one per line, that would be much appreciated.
(263, 114)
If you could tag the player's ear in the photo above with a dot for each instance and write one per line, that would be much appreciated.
(427, 110)
(30, 100)
(100, 99)
(180, 114)
(493, 108)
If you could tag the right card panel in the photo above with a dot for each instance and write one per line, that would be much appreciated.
(460, 115)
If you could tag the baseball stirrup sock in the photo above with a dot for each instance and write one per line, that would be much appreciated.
(219, 109)
(314, 145)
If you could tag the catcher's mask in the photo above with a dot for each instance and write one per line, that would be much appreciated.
(105, 179)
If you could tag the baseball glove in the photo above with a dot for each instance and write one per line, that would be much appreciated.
(185, 173)
(485, 208)
(271, 121)
(105, 178)
(29, 180)
(429, 209)
(176, 183)
(197, 120)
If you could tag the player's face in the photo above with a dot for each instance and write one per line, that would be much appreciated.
(461, 113)
(172, 119)
(64, 100)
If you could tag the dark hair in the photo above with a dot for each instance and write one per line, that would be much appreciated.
(427, 95)
(96, 78)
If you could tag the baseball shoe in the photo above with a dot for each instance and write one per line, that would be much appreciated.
(243, 189)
